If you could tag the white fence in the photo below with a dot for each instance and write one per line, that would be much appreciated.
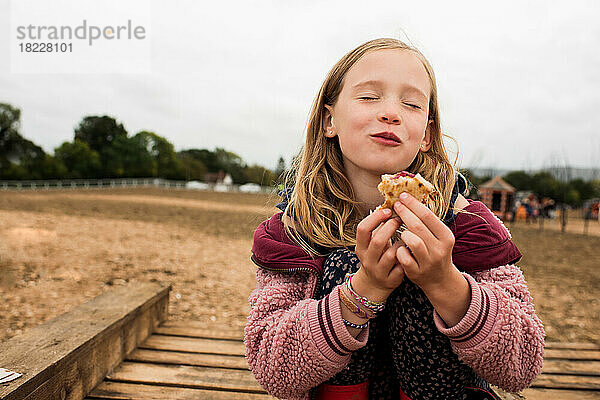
(123, 182)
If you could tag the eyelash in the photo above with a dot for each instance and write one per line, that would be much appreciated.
(411, 105)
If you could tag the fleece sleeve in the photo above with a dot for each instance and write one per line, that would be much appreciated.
(293, 343)
(500, 336)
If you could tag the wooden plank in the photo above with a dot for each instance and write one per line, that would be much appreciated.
(559, 394)
(196, 359)
(199, 333)
(550, 381)
(199, 329)
(122, 390)
(194, 345)
(572, 346)
(571, 367)
(69, 355)
(186, 376)
(591, 355)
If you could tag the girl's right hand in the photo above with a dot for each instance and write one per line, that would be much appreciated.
(379, 273)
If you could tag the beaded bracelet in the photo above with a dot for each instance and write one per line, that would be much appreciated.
(356, 310)
(348, 323)
(375, 306)
(365, 300)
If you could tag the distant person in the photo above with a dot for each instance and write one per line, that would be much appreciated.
(528, 210)
(340, 310)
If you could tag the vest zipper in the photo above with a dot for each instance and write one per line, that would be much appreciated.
(294, 269)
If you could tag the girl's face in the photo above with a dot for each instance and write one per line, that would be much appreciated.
(385, 91)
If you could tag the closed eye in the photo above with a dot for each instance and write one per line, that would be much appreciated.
(413, 106)
(368, 98)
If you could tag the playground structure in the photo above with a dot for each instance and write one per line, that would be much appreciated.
(498, 196)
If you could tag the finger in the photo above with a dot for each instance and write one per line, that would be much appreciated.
(406, 260)
(399, 226)
(397, 272)
(388, 258)
(431, 221)
(414, 224)
(416, 246)
(382, 239)
(377, 229)
(366, 227)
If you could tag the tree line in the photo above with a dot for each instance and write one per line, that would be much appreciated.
(543, 184)
(102, 148)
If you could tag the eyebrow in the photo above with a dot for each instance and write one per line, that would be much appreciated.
(374, 82)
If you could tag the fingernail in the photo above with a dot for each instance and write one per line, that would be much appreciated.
(387, 211)
(397, 204)
(403, 196)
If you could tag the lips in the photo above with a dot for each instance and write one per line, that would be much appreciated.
(388, 135)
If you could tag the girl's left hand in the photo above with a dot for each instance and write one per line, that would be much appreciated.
(431, 243)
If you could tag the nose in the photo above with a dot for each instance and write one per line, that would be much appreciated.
(389, 116)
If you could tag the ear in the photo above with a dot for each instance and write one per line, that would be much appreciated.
(426, 142)
(328, 122)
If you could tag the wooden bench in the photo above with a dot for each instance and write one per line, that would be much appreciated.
(122, 346)
(66, 357)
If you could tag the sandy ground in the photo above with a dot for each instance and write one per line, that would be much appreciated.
(61, 248)
(574, 225)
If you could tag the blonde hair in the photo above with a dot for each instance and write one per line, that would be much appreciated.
(323, 205)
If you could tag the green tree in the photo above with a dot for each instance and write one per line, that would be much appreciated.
(206, 157)
(127, 158)
(543, 184)
(596, 187)
(109, 138)
(99, 132)
(220, 160)
(79, 160)
(10, 122)
(193, 169)
(168, 165)
(30, 157)
(260, 175)
(20, 158)
(280, 169)
(51, 168)
(584, 188)
(232, 164)
(521, 180)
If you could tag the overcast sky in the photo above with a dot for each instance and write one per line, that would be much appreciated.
(518, 82)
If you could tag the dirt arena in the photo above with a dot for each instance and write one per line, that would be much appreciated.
(61, 248)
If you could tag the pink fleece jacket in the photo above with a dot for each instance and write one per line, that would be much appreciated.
(294, 342)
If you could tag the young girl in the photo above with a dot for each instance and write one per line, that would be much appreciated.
(343, 311)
